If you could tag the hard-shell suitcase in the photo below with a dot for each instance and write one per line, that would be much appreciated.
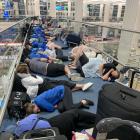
(116, 100)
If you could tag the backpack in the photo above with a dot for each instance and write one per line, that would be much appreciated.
(16, 105)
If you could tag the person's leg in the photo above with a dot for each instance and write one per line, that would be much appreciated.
(60, 55)
(77, 52)
(67, 71)
(71, 120)
(67, 102)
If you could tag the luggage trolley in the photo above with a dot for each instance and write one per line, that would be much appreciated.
(109, 124)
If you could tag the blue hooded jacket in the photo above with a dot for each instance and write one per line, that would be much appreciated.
(48, 99)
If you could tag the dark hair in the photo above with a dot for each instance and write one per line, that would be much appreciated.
(115, 62)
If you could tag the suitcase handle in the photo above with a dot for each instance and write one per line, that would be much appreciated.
(124, 93)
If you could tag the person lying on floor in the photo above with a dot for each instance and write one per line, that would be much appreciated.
(39, 51)
(76, 54)
(66, 122)
(59, 97)
(42, 66)
(35, 85)
(89, 67)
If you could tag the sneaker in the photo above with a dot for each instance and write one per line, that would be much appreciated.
(89, 102)
(86, 86)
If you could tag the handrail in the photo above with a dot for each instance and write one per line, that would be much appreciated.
(11, 78)
(87, 23)
(15, 24)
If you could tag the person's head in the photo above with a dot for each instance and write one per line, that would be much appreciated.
(27, 61)
(22, 68)
(31, 108)
(115, 62)
(115, 74)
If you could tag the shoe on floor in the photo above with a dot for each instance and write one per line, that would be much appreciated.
(89, 102)
(86, 86)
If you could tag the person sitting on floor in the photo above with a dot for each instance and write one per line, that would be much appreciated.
(66, 122)
(59, 97)
(35, 85)
(42, 66)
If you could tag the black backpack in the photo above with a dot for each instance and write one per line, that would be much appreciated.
(16, 105)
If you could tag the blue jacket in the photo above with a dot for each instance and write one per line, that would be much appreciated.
(48, 99)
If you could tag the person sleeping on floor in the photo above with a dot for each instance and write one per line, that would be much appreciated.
(71, 120)
(44, 67)
(88, 67)
(34, 85)
(59, 97)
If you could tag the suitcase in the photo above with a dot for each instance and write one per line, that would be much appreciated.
(43, 134)
(73, 40)
(109, 124)
(116, 100)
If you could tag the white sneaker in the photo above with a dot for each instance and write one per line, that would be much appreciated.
(86, 86)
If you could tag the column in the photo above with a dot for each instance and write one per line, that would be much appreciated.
(52, 11)
(106, 19)
(101, 11)
(129, 40)
(78, 14)
(85, 10)
(37, 8)
(119, 11)
(69, 8)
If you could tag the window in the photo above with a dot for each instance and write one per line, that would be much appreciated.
(115, 11)
(123, 11)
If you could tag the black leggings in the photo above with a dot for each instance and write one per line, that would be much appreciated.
(48, 84)
(82, 61)
(72, 120)
(67, 101)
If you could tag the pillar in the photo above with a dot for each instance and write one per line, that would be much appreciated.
(101, 11)
(78, 14)
(129, 40)
(52, 11)
(69, 8)
(106, 19)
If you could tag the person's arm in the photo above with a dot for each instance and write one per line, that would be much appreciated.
(32, 81)
(106, 76)
(101, 67)
(44, 104)
(44, 60)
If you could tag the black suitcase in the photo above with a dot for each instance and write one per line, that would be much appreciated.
(73, 40)
(116, 100)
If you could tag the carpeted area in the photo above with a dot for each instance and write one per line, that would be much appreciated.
(91, 94)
